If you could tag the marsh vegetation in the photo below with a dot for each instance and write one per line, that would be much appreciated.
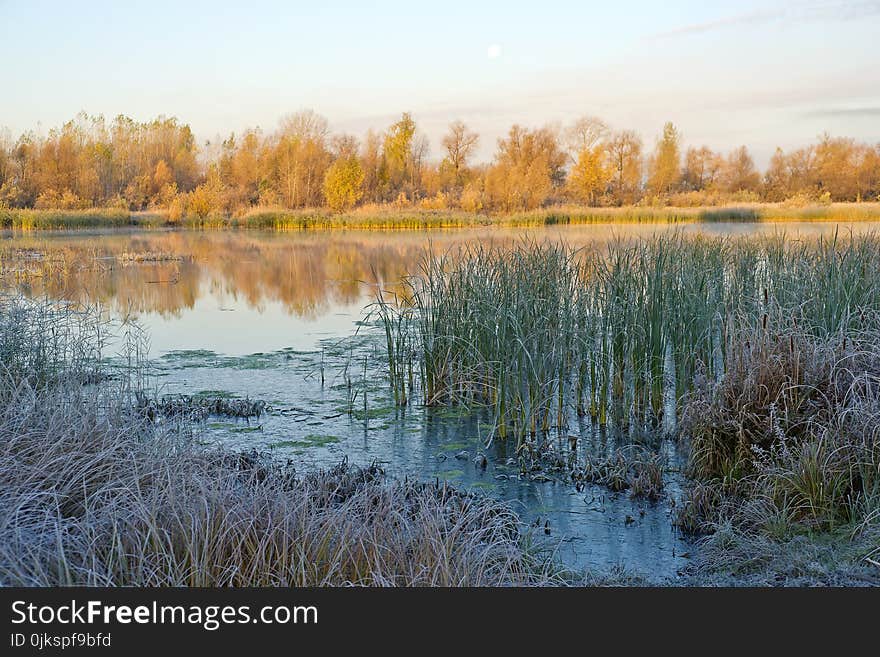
(759, 354)
(382, 218)
(718, 390)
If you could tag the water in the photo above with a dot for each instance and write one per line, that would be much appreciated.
(280, 317)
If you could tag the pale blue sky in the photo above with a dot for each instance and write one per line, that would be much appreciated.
(760, 73)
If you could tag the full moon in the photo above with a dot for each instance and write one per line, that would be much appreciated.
(494, 51)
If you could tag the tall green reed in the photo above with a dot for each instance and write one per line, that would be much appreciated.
(541, 332)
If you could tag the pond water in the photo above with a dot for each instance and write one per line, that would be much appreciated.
(281, 317)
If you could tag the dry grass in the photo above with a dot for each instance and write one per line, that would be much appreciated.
(632, 468)
(92, 496)
(788, 441)
(732, 556)
(93, 500)
(774, 385)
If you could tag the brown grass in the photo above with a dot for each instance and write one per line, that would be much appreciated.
(631, 468)
(788, 441)
(91, 496)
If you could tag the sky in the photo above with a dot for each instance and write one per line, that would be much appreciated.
(764, 74)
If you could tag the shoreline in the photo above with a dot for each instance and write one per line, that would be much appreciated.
(415, 219)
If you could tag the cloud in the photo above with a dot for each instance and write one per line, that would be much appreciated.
(756, 17)
(800, 12)
(845, 113)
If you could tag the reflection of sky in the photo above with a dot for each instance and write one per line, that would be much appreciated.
(763, 73)
(236, 328)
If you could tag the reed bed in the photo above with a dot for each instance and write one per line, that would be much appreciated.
(761, 355)
(378, 217)
(542, 331)
(394, 218)
(45, 342)
(64, 219)
(373, 218)
(733, 213)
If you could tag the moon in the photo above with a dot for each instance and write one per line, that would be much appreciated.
(493, 51)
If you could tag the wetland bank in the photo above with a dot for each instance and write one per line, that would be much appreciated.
(627, 404)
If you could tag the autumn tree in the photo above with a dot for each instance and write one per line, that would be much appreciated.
(528, 165)
(459, 144)
(665, 165)
(738, 173)
(162, 175)
(207, 198)
(625, 158)
(344, 145)
(21, 190)
(397, 156)
(343, 183)
(801, 165)
(86, 163)
(371, 164)
(6, 169)
(129, 160)
(589, 174)
(585, 134)
(243, 167)
(867, 172)
(836, 166)
(125, 163)
(777, 180)
(418, 161)
(300, 158)
(701, 168)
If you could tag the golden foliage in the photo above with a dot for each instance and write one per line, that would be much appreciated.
(343, 184)
(130, 165)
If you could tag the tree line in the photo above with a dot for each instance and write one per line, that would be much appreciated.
(89, 162)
